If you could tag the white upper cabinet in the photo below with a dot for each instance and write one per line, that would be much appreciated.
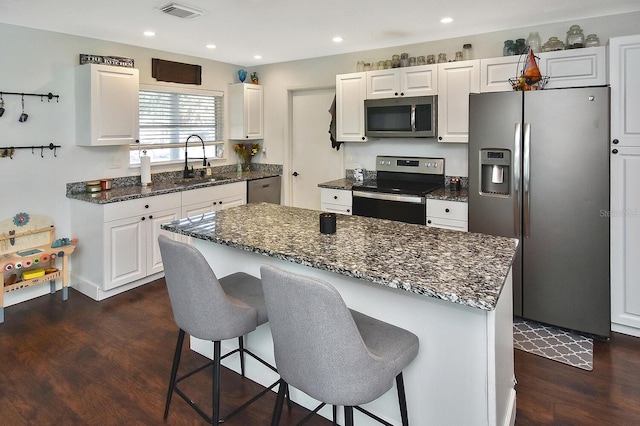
(456, 80)
(246, 111)
(410, 81)
(575, 67)
(351, 91)
(496, 72)
(625, 90)
(106, 105)
(565, 68)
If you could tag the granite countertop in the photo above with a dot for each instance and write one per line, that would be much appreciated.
(443, 193)
(129, 188)
(460, 267)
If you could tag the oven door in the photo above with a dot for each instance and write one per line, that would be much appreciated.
(403, 208)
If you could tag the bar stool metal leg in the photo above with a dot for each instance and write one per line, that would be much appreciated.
(402, 400)
(174, 372)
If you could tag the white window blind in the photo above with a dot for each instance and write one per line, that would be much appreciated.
(168, 118)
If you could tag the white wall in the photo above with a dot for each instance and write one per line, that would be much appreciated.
(35, 61)
(280, 78)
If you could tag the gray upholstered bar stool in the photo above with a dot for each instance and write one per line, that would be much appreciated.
(333, 354)
(210, 309)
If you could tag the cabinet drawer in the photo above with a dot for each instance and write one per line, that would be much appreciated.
(452, 210)
(212, 193)
(336, 208)
(335, 196)
(124, 209)
(456, 225)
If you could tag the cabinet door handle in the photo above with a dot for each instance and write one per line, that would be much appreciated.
(363, 138)
(143, 218)
(614, 151)
(429, 221)
(146, 206)
(150, 216)
(616, 141)
(335, 197)
(446, 210)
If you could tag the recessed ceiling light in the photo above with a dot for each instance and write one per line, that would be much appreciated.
(210, 46)
(338, 39)
(149, 33)
(257, 57)
(446, 20)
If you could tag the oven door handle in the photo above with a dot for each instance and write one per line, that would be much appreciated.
(414, 199)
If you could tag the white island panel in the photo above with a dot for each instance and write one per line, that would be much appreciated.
(463, 374)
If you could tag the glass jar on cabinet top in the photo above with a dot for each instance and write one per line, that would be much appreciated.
(395, 61)
(534, 42)
(442, 58)
(592, 41)
(467, 52)
(575, 37)
(431, 59)
(509, 48)
(552, 44)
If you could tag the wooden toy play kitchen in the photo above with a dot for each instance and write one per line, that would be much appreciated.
(30, 254)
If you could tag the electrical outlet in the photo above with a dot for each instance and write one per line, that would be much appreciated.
(115, 162)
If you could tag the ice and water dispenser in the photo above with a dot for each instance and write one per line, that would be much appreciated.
(495, 172)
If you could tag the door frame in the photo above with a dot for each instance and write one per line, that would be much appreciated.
(288, 146)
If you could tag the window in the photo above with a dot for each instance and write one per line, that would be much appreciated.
(169, 116)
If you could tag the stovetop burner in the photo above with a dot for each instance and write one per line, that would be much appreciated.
(405, 175)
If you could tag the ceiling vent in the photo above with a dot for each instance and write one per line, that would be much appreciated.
(181, 11)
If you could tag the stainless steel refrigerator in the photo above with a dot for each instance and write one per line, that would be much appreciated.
(539, 171)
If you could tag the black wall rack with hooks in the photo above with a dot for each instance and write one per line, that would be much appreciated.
(8, 151)
(49, 95)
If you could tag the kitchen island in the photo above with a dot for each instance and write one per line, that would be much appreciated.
(452, 289)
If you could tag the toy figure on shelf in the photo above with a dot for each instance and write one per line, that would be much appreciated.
(64, 242)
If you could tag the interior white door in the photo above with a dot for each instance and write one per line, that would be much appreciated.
(313, 160)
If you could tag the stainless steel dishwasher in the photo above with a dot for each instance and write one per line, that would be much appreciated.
(264, 190)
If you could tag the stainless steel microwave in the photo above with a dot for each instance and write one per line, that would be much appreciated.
(401, 117)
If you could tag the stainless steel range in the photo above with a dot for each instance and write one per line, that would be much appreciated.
(399, 192)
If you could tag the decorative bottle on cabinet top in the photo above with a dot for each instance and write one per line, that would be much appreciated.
(534, 42)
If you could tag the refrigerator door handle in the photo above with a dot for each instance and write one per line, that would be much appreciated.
(526, 172)
(516, 179)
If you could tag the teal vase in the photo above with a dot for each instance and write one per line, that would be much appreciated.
(242, 75)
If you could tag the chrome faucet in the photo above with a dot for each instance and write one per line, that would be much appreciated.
(189, 173)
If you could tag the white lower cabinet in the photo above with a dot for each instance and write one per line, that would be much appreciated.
(118, 242)
(335, 200)
(448, 214)
(212, 198)
(196, 202)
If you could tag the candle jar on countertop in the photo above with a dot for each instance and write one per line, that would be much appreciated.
(327, 223)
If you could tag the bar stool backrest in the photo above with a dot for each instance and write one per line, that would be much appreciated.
(199, 304)
(317, 345)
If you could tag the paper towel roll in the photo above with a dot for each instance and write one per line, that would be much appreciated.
(145, 170)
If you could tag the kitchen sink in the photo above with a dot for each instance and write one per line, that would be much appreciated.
(199, 181)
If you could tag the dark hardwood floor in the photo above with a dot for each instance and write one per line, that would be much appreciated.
(82, 362)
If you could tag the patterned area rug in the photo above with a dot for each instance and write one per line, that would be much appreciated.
(553, 343)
